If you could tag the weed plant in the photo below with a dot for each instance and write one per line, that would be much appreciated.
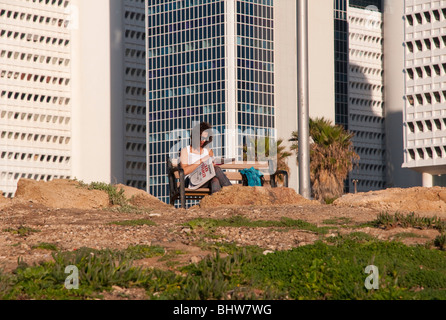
(240, 221)
(440, 241)
(45, 246)
(333, 270)
(21, 231)
(388, 221)
(116, 197)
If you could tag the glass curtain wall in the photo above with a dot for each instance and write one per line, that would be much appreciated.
(255, 71)
(186, 79)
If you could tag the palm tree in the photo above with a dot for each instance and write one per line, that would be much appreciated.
(332, 157)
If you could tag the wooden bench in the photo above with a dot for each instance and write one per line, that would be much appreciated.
(178, 191)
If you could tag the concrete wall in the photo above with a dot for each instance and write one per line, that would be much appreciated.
(321, 59)
(97, 121)
(285, 69)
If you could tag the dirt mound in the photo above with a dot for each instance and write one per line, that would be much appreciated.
(140, 198)
(4, 201)
(417, 199)
(260, 196)
(64, 194)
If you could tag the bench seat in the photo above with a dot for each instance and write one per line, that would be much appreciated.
(178, 191)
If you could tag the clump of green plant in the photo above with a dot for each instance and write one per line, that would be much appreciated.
(404, 235)
(330, 200)
(317, 271)
(336, 271)
(359, 237)
(137, 252)
(99, 270)
(240, 221)
(6, 283)
(218, 278)
(116, 196)
(21, 231)
(228, 247)
(338, 221)
(45, 246)
(440, 242)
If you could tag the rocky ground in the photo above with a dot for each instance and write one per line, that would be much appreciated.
(69, 216)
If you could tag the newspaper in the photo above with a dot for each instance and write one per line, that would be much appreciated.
(201, 175)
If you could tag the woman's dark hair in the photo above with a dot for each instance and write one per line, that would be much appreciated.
(197, 131)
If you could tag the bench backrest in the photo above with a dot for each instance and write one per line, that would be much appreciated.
(262, 166)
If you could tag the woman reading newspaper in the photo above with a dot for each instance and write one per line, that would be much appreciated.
(195, 154)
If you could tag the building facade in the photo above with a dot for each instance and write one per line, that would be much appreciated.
(36, 97)
(425, 89)
(134, 47)
(106, 90)
(213, 61)
(366, 95)
(72, 100)
(341, 53)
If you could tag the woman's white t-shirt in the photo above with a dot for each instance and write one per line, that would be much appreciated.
(193, 157)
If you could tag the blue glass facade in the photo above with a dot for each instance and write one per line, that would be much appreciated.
(255, 70)
(187, 76)
(341, 62)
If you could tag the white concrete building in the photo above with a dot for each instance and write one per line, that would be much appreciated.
(366, 98)
(72, 101)
(36, 98)
(394, 93)
(425, 89)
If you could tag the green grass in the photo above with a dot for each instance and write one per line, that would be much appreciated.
(45, 246)
(333, 268)
(171, 255)
(405, 235)
(228, 248)
(324, 270)
(320, 271)
(116, 196)
(338, 221)
(240, 221)
(387, 221)
(99, 270)
(329, 200)
(21, 231)
(440, 242)
(143, 251)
